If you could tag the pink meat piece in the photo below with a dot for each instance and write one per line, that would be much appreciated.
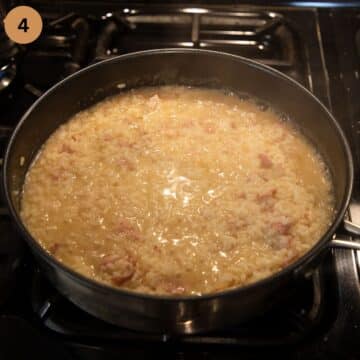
(234, 225)
(126, 164)
(121, 268)
(108, 137)
(261, 198)
(282, 228)
(125, 144)
(172, 286)
(54, 248)
(241, 195)
(65, 148)
(265, 161)
(56, 173)
(125, 227)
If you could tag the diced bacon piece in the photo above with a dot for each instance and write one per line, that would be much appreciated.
(282, 228)
(265, 161)
(125, 227)
(108, 137)
(126, 164)
(281, 234)
(55, 173)
(241, 195)
(260, 198)
(267, 207)
(121, 278)
(235, 225)
(125, 144)
(54, 248)
(120, 268)
(65, 148)
(54, 177)
(172, 286)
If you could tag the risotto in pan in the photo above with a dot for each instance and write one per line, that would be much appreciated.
(178, 191)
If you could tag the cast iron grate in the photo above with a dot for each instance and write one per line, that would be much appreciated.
(264, 36)
(81, 33)
(72, 41)
(276, 37)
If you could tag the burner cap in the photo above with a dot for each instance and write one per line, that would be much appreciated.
(7, 75)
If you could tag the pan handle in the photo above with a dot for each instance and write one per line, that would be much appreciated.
(353, 230)
(345, 244)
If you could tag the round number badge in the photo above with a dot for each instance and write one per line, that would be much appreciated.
(23, 24)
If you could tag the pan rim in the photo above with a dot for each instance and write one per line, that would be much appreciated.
(307, 257)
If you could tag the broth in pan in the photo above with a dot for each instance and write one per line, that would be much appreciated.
(175, 190)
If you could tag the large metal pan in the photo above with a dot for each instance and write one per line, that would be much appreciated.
(186, 314)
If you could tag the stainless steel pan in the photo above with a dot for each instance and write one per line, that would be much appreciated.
(187, 314)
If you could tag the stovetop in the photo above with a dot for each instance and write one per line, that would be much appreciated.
(320, 318)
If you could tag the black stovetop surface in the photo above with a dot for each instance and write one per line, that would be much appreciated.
(320, 319)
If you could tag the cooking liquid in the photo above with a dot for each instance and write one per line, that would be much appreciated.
(175, 190)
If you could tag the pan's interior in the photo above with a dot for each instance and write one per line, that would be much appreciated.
(184, 68)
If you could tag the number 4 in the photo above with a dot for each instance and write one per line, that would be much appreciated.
(23, 25)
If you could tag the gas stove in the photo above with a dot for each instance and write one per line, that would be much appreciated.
(320, 48)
